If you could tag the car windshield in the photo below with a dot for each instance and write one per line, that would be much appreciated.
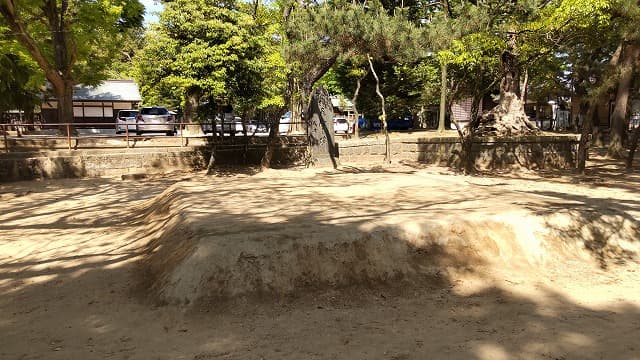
(341, 121)
(154, 111)
(128, 113)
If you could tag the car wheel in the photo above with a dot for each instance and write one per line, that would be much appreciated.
(170, 133)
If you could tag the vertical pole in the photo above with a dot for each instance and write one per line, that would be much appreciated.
(6, 142)
(181, 136)
(68, 136)
(126, 132)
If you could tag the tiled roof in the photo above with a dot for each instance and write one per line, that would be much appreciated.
(109, 90)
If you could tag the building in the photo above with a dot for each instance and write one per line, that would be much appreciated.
(342, 107)
(96, 104)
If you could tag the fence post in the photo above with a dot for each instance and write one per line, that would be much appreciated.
(69, 136)
(181, 135)
(6, 142)
(126, 132)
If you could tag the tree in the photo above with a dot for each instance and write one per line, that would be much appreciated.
(626, 14)
(527, 33)
(202, 50)
(71, 41)
(20, 80)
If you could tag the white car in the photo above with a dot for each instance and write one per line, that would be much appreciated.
(254, 127)
(126, 121)
(155, 119)
(232, 126)
(285, 123)
(341, 124)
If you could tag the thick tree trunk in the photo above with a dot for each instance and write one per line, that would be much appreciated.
(508, 117)
(189, 114)
(64, 93)
(190, 106)
(619, 117)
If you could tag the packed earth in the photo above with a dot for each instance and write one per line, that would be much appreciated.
(397, 262)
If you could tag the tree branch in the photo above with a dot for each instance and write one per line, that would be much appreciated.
(8, 12)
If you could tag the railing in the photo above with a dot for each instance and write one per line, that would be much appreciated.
(69, 132)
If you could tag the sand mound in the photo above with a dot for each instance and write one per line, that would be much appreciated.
(238, 242)
(188, 259)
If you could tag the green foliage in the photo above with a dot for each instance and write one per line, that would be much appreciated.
(19, 80)
(20, 77)
(92, 31)
(346, 33)
(218, 53)
(130, 42)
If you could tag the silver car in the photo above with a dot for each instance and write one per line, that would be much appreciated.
(155, 119)
(126, 121)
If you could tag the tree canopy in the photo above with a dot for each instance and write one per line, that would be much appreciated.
(70, 41)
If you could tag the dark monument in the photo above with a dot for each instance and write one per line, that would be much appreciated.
(320, 130)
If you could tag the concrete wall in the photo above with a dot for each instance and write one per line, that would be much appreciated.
(94, 163)
(48, 158)
(531, 152)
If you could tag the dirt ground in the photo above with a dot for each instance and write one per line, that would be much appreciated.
(400, 262)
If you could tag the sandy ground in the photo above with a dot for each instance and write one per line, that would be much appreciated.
(534, 266)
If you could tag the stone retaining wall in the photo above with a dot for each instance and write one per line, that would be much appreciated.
(531, 152)
(31, 163)
(94, 163)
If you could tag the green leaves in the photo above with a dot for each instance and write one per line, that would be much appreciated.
(214, 50)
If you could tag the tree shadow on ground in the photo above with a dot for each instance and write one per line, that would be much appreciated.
(600, 171)
(81, 302)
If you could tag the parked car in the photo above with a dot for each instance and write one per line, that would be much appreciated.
(233, 126)
(363, 123)
(155, 119)
(255, 127)
(341, 124)
(376, 124)
(126, 121)
(404, 123)
(285, 123)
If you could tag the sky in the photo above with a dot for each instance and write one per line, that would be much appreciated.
(151, 6)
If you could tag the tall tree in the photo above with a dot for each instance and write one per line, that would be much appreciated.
(625, 16)
(71, 41)
(202, 50)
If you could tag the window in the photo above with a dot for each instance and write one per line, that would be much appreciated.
(128, 113)
(154, 111)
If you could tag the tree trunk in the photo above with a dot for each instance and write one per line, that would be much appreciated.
(64, 93)
(190, 106)
(387, 141)
(356, 126)
(443, 97)
(619, 117)
(583, 148)
(633, 146)
(508, 117)
(212, 157)
(189, 115)
(265, 163)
